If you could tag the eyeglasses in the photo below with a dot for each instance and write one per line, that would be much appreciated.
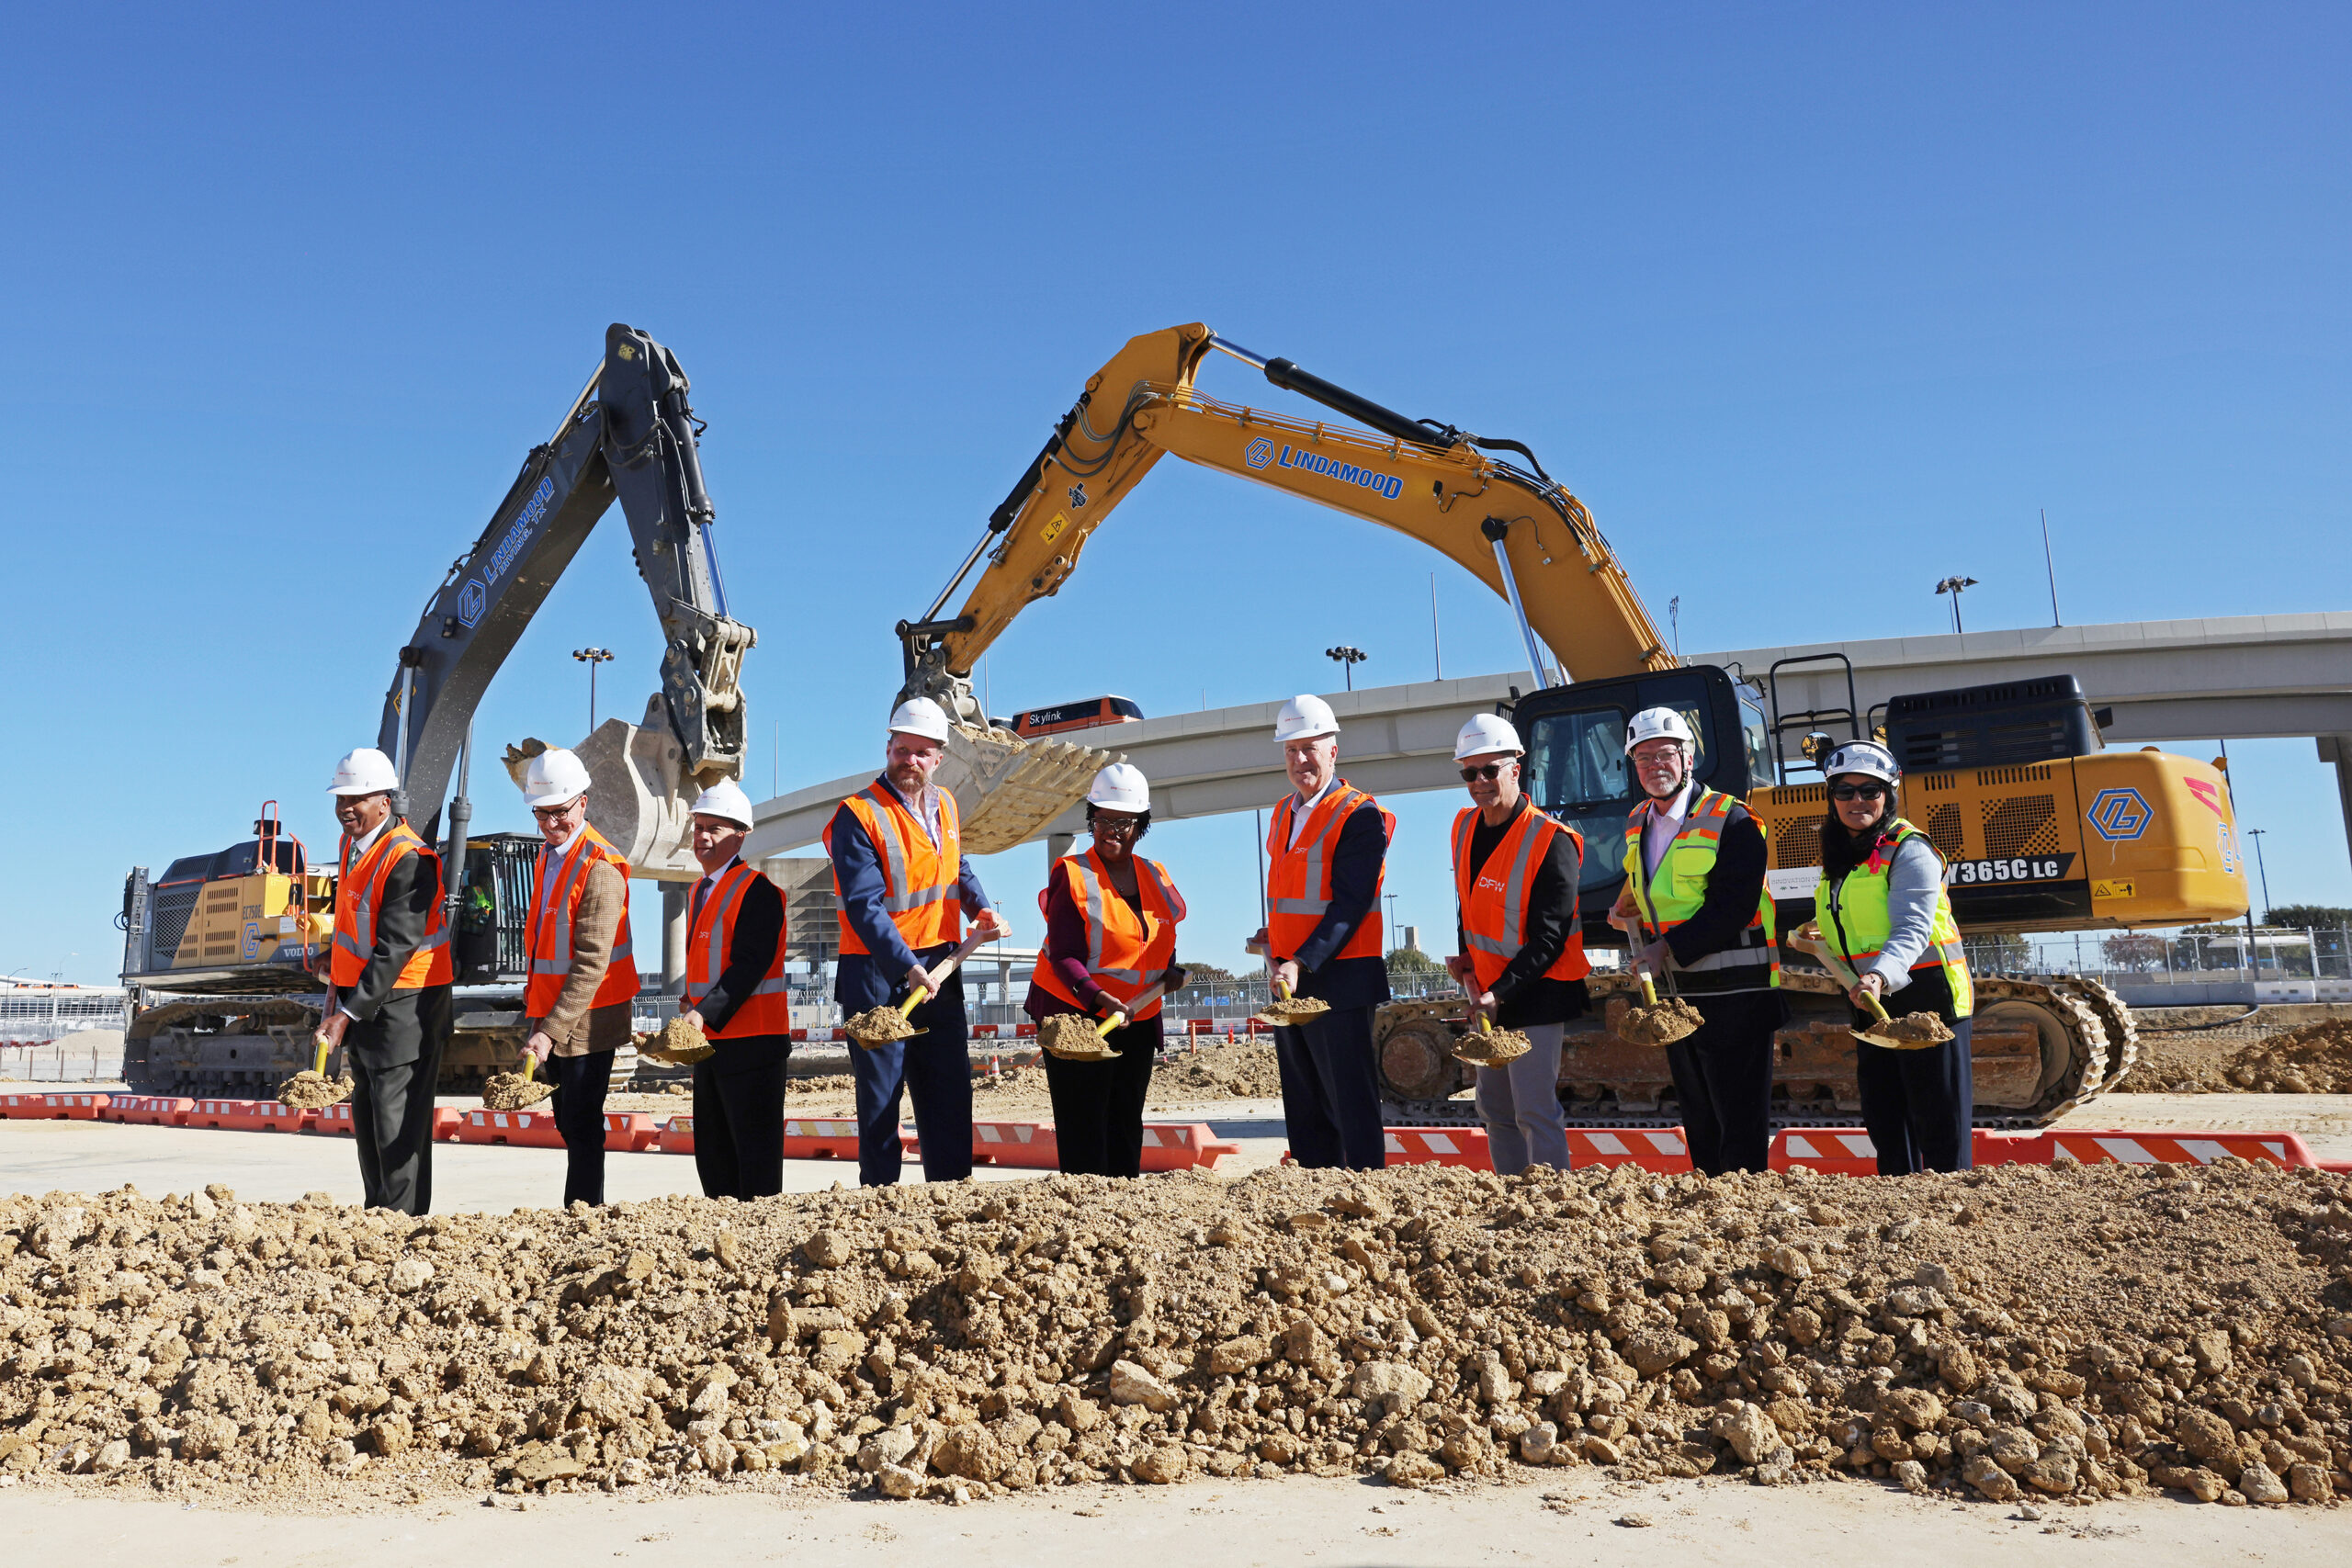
(550, 813)
(1119, 826)
(1858, 792)
(1491, 770)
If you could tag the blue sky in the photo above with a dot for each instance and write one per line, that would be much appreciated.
(1811, 304)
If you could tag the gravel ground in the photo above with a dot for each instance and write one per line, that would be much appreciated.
(2015, 1334)
(2238, 1059)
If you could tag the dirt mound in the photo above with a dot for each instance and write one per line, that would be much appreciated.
(307, 1090)
(1495, 1048)
(879, 1026)
(513, 1091)
(2006, 1332)
(1228, 1069)
(2314, 1059)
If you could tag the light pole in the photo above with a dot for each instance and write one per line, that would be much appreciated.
(592, 657)
(1674, 619)
(1953, 586)
(1392, 915)
(2256, 834)
(1348, 658)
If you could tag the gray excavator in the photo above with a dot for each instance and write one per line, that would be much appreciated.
(219, 951)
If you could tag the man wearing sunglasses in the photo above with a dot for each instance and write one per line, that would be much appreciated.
(1521, 950)
(1695, 909)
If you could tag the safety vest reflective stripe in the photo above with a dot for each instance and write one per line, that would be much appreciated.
(762, 1010)
(1298, 873)
(1678, 889)
(920, 879)
(1856, 918)
(359, 890)
(1527, 841)
(547, 933)
(1124, 952)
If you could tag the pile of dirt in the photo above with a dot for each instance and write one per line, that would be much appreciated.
(879, 1026)
(513, 1091)
(1226, 1069)
(2014, 1332)
(1673, 1018)
(2315, 1059)
(307, 1090)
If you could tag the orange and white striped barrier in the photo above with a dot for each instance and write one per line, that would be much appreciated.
(1658, 1149)
(811, 1138)
(2283, 1149)
(1017, 1145)
(148, 1110)
(1438, 1145)
(249, 1116)
(1182, 1145)
(676, 1136)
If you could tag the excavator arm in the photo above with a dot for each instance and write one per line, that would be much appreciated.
(1512, 528)
(631, 436)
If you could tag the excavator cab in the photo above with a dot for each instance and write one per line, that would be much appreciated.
(1576, 766)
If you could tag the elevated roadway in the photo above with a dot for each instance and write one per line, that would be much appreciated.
(2243, 677)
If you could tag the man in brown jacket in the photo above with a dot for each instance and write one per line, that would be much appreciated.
(577, 1004)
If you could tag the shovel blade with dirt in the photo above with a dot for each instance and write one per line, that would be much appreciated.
(313, 1091)
(1657, 1022)
(1074, 1037)
(515, 1091)
(1912, 1031)
(886, 1025)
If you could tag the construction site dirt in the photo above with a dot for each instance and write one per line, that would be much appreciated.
(2023, 1333)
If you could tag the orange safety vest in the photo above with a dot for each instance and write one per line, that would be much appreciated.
(767, 1011)
(359, 899)
(1125, 951)
(1494, 897)
(919, 878)
(547, 935)
(1298, 877)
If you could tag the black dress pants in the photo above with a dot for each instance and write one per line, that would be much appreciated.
(1331, 1091)
(1723, 1073)
(395, 1061)
(579, 1105)
(739, 1117)
(1917, 1105)
(1098, 1105)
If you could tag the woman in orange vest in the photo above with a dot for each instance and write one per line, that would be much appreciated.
(736, 996)
(1111, 921)
(1516, 873)
(583, 984)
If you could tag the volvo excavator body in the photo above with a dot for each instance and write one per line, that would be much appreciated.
(223, 951)
(2041, 828)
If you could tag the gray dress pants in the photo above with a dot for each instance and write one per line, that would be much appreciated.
(1521, 1104)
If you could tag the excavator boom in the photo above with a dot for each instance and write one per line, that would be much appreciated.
(1529, 540)
(630, 436)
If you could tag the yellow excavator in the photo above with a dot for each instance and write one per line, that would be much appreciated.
(2041, 828)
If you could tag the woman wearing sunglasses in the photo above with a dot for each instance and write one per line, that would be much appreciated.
(1882, 908)
(1515, 877)
(1110, 936)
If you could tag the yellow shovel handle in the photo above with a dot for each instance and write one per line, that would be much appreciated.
(324, 1046)
(1871, 1001)
(1650, 991)
(906, 1007)
(530, 1066)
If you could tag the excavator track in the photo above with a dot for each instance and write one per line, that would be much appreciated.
(2042, 1047)
(2122, 1031)
(243, 1047)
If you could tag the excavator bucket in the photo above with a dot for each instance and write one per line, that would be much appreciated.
(1008, 790)
(639, 796)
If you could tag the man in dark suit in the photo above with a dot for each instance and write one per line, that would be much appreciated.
(389, 966)
(736, 996)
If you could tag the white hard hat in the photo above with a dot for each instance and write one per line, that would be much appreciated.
(1867, 758)
(1304, 718)
(919, 715)
(1122, 788)
(1658, 724)
(726, 798)
(363, 772)
(555, 777)
(1485, 732)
